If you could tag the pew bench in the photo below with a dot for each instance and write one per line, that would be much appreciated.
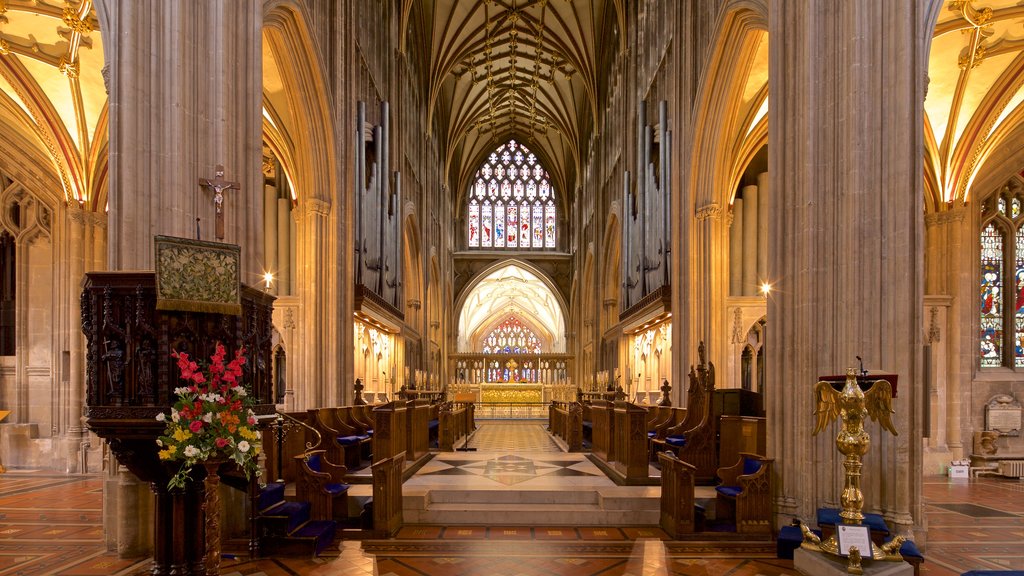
(746, 494)
(322, 485)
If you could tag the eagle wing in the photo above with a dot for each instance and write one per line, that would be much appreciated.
(878, 403)
(826, 408)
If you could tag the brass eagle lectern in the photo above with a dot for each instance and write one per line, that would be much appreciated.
(852, 405)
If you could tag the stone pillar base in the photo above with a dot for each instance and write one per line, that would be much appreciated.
(820, 564)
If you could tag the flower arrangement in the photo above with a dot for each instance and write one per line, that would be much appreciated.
(212, 416)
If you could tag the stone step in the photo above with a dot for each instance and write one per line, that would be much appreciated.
(462, 514)
(436, 496)
(628, 506)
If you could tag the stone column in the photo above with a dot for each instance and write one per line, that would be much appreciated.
(750, 202)
(846, 171)
(284, 244)
(736, 249)
(185, 95)
(73, 409)
(762, 230)
(270, 237)
(315, 335)
(949, 277)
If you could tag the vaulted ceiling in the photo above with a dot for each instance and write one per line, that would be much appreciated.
(51, 89)
(974, 100)
(523, 69)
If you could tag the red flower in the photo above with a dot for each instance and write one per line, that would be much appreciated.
(220, 442)
(196, 426)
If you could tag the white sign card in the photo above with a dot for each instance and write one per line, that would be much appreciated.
(859, 536)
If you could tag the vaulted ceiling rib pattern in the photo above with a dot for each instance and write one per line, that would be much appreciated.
(974, 100)
(524, 69)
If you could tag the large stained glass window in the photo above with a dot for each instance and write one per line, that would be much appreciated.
(512, 203)
(511, 337)
(1001, 303)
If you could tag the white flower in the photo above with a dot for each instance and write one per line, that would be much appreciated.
(243, 446)
(191, 451)
(159, 442)
(240, 391)
(161, 417)
(181, 390)
(174, 415)
(208, 417)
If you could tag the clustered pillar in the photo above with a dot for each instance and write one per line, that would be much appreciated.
(748, 239)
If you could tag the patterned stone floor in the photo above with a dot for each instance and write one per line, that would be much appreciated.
(51, 524)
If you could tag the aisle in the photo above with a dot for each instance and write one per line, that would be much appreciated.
(513, 436)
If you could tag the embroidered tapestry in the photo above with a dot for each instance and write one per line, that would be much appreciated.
(197, 276)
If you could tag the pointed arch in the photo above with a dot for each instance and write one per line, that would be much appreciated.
(515, 285)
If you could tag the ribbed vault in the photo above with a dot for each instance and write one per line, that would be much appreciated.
(523, 69)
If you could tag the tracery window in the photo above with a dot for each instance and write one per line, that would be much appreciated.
(1001, 337)
(512, 203)
(511, 337)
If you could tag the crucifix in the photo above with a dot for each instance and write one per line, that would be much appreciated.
(219, 185)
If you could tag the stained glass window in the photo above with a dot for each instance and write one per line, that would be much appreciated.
(511, 337)
(512, 202)
(1018, 292)
(991, 296)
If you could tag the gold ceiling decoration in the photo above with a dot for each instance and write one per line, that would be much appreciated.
(52, 91)
(973, 101)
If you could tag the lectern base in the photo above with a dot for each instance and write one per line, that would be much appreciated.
(821, 564)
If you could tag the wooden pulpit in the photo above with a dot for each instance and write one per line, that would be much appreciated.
(131, 377)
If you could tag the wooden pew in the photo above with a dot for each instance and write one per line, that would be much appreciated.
(602, 417)
(456, 421)
(630, 439)
(417, 414)
(322, 484)
(679, 511)
(389, 433)
(567, 423)
(738, 434)
(694, 440)
(387, 495)
(323, 420)
(746, 493)
(658, 429)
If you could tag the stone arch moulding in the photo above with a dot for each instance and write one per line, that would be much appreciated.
(307, 141)
(471, 287)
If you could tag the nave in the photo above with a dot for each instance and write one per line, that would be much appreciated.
(52, 524)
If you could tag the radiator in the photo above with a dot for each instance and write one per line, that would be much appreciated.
(1011, 468)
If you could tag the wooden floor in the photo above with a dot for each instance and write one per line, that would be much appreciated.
(52, 524)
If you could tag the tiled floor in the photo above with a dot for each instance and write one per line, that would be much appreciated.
(51, 524)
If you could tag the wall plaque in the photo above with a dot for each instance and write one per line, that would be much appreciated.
(1003, 414)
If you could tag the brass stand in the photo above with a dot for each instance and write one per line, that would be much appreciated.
(853, 405)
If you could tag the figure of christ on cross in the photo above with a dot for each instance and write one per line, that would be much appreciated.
(219, 185)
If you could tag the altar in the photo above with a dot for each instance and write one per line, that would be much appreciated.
(511, 393)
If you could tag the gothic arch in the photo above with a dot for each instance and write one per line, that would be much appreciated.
(412, 268)
(610, 269)
(305, 141)
(556, 325)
